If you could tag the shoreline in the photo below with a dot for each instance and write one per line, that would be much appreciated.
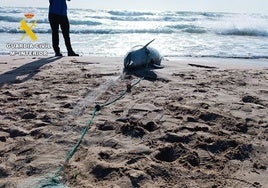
(227, 63)
(200, 122)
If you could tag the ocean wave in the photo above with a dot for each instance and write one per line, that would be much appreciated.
(18, 19)
(17, 30)
(131, 19)
(146, 16)
(45, 20)
(8, 30)
(84, 22)
(14, 11)
(235, 57)
(176, 19)
(180, 26)
(10, 19)
(244, 32)
(120, 31)
(219, 56)
(260, 31)
(129, 13)
(188, 28)
(94, 31)
(162, 30)
(113, 22)
(161, 18)
(196, 30)
(212, 14)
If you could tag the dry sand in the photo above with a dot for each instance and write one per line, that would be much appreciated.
(194, 126)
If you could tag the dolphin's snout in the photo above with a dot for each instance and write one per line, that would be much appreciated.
(127, 60)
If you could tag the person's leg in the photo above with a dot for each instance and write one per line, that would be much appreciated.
(54, 24)
(65, 28)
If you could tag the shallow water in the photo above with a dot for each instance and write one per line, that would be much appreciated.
(177, 34)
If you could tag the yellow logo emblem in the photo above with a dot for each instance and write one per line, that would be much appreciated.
(28, 29)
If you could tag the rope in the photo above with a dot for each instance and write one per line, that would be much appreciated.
(127, 90)
(72, 152)
(54, 181)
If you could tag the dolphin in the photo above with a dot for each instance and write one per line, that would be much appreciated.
(142, 57)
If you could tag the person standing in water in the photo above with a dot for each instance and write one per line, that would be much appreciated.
(58, 17)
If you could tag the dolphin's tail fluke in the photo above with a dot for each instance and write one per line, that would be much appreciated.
(148, 43)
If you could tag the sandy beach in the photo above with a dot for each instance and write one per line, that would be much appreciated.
(199, 123)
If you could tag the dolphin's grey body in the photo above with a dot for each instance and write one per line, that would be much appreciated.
(142, 56)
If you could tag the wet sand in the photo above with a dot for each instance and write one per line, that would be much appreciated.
(197, 124)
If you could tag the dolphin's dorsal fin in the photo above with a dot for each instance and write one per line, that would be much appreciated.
(148, 43)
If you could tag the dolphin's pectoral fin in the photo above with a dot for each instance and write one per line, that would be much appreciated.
(157, 66)
(146, 74)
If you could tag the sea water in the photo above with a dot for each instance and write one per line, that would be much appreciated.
(176, 34)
